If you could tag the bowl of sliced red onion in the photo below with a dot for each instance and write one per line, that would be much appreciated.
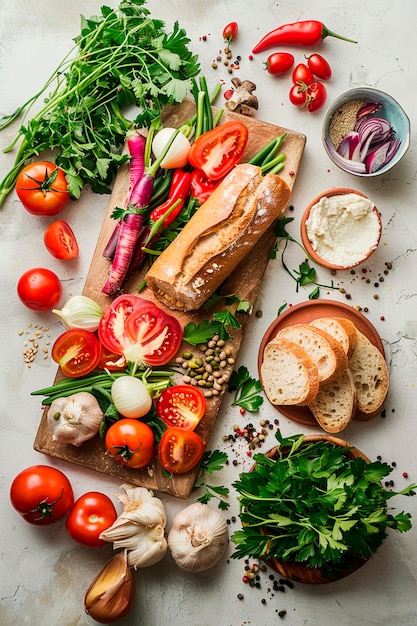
(366, 132)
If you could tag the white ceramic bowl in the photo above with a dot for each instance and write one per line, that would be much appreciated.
(390, 109)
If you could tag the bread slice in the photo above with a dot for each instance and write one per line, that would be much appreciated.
(323, 349)
(342, 329)
(335, 403)
(371, 377)
(289, 376)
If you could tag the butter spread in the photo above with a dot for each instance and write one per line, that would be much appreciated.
(343, 229)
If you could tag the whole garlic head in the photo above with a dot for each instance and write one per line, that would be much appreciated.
(198, 537)
(74, 419)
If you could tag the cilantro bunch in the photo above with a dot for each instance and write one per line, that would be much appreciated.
(315, 504)
(122, 57)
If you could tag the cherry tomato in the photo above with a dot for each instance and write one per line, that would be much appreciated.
(230, 32)
(180, 450)
(316, 96)
(92, 514)
(130, 442)
(77, 352)
(60, 241)
(42, 188)
(42, 495)
(319, 66)
(298, 95)
(39, 289)
(218, 150)
(111, 330)
(182, 406)
(302, 74)
(279, 62)
(155, 336)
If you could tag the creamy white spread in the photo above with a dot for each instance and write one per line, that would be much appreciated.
(343, 228)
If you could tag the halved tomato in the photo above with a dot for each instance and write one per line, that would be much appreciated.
(60, 241)
(180, 450)
(155, 336)
(218, 150)
(111, 330)
(181, 406)
(77, 351)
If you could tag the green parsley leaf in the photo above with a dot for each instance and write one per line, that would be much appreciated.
(247, 390)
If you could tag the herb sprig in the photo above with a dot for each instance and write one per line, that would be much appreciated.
(122, 57)
(316, 505)
(247, 389)
(212, 462)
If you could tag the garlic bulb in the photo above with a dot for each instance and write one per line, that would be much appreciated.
(140, 528)
(198, 537)
(80, 312)
(74, 419)
(110, 595)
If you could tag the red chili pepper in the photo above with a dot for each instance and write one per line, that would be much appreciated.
(304, 33)
(179, 190)
(201, 186)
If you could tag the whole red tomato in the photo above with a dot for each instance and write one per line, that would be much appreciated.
(180, 450)
(302, 74)
(230, 32)
(316, 96)
(130, 442)
(60, 241)
(42, 495)
(39, 289)
(279, 63)
(319, 66)
(91, 515)
(77, 352)
(297, 95)
(42, 188)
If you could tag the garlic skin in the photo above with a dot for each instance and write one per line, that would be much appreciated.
(198, 537)
(74, 419)
(110, 595)
(140, 528)
(80, 312)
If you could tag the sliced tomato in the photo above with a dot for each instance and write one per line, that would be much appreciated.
(181, 406)
(155, 336)
(180, 450)
(111, 361)
(218, 150)
(60, 241)
(111, 330)
(77, 351)
(201, 186)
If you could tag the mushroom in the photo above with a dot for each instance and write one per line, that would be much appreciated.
(243, 101)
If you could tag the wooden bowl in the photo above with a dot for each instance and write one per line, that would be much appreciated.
(297, 571)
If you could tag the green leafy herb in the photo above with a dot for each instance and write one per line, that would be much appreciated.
(121, 58)
(247, 390)
(306, 274)
(196, 334)
(316, 505)
(212, 462)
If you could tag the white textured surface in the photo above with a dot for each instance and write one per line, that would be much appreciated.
(43, 574)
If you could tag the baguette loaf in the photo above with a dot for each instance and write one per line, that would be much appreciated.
(323, 349)
(289, 376)
(335, 403)
(218, 237)
(371, 376)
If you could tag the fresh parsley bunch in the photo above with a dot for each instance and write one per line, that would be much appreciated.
(315, 504)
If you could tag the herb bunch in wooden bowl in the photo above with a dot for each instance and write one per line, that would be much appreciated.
(314, 508)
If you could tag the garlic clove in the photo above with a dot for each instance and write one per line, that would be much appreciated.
(110, 595)
(198, 537)
(149, 550)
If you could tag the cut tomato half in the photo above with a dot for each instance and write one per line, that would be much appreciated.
(181, 406)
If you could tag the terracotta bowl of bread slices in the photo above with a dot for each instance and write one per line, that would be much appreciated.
(322, 363)
(341, 228)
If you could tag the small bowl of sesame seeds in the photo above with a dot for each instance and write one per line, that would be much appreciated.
(366, 132)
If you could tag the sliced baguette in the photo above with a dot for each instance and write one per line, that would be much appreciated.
(371, 377)
(289, 376)
(342, 329)
(323, 349)
(335, 403)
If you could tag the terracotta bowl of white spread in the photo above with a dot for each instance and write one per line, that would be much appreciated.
(341, 228)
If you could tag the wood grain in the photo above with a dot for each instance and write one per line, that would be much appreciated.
(245, 281)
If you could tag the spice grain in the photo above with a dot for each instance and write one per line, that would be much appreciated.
(343, 121)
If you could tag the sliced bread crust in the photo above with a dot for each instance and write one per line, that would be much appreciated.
(342, 329)
(289, 376)
(335, 403)
(371, 377)
(323, 349)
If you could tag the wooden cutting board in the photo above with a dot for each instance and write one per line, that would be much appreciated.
(245, 281)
